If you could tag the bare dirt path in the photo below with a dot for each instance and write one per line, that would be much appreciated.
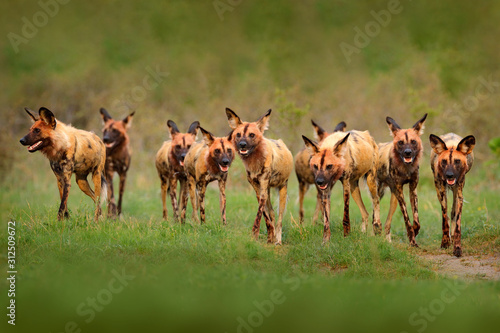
(486, 267)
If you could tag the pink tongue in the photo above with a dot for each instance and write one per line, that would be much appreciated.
(323, 187)
(407, 159)
(181, 163)
(450, 182)
(224, 168)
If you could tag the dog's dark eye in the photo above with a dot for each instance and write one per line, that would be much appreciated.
(238, 135)
(189, 146)
(177, 147)
(414, 142)
(217, 151)
(400, 143)
(457, 161)
(444, 162)
(229, 150)
(36, 130)
(329, 167)
(315, 166)
(252, 135)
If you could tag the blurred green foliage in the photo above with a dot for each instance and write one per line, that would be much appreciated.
(428, 58)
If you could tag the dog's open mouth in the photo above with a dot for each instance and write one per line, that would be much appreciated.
(243, 152)
(109, 145)
(35, 146)
(224, 168)
(181, 163)
(323, 187)
(451, 182)
(408, 160)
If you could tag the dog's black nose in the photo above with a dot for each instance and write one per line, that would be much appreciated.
(23, 141)
(225, 161)
(182, 156)
(242, 144)
(407, 152)
(320, 181)
(449, 175)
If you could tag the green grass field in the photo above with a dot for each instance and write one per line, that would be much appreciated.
(214, 278)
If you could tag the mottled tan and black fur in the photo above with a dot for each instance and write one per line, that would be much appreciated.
(69, 151)
(205, 162)
(305, 175)
(398, 164)
(451, 159)
(348, 158)
(118, 154)
(170, 167)
(268, 164)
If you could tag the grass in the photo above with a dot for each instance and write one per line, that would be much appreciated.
(212, 278)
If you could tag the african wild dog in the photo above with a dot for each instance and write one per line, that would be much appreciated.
(116, 140)
(69, 151)
(348, 158)
(451, 159)
(305, 175)
(268, 164)
(205, 162)
(398, 165)
(170, 167)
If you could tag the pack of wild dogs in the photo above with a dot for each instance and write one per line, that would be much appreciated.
(347, 157)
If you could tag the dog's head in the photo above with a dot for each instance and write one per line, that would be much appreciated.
(451, 163)
(327, 164)
(220, 150)
(40, 134)
(246, 137)
(115, 131)
(181, 142)
(407, 143)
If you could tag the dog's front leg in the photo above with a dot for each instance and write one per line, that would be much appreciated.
(222, 198)
(402, 205)
(458, 200)
(441, 194)
(414, 205)
(346, 221)
(172, 189)
(325, 204)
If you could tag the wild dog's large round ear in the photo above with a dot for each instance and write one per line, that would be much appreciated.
(312, 146)
(233, 119)
(172, 128)
(419, 125)
(128, 120)
(31, 114)
(193, 128)
(393, 126)
(340, 127)
(105, 115)
(467, 144)
(341, 146)
(263, 122)
(319, 132)
(48, 117)
(207, 136)
(437, 144)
